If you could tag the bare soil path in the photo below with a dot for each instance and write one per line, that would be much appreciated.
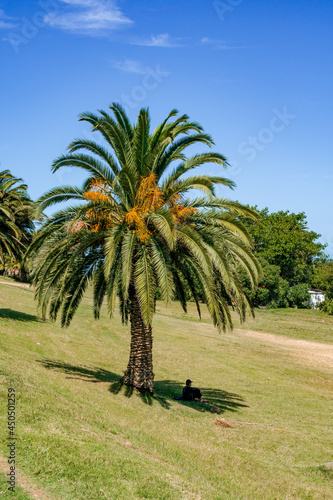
(21, 285)
(305, 352)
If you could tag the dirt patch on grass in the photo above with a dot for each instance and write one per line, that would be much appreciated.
(305, 352)
(25, 483)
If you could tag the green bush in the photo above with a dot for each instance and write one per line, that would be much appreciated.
(327, 306)
(272, 290)
(298, 295)
(323, 278)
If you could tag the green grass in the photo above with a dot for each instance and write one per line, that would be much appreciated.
(82, 436)
(18, 494)
(306, 324)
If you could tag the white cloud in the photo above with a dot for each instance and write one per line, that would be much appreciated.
(221, 44)
(129, 66)
(5, 25)
(91, 17)
(162, 40)
(6, 21)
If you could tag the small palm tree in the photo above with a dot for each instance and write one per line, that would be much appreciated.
(16, 221)
(134, 231)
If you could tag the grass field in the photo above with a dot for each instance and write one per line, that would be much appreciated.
(82, 436)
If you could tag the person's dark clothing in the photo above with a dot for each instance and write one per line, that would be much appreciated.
(191, 393)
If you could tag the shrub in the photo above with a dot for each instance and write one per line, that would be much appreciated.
(298, 295)
(272, 290)
(327, 306)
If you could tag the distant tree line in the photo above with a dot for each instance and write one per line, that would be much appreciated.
(292, 260)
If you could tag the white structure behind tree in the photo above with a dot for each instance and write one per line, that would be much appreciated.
(316, 298)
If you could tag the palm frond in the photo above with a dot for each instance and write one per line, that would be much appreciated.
(145, 283)
(57, 195)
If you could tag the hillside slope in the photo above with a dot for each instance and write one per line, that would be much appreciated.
(83, 436)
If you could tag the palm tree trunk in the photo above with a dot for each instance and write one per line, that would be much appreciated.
(139, 373)
(23, 275)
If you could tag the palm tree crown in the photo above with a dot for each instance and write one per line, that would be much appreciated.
(16, 221)
(135, 230)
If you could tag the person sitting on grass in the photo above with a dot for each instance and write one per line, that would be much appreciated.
(191, 393)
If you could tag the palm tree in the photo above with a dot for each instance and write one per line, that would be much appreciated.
(16, 221)
(134, 231)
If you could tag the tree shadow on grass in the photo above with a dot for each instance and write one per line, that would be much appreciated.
(18, 315)
(226, 401)
(81, 372)
(165, 390)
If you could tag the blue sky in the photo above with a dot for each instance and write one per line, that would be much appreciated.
(257, 74)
